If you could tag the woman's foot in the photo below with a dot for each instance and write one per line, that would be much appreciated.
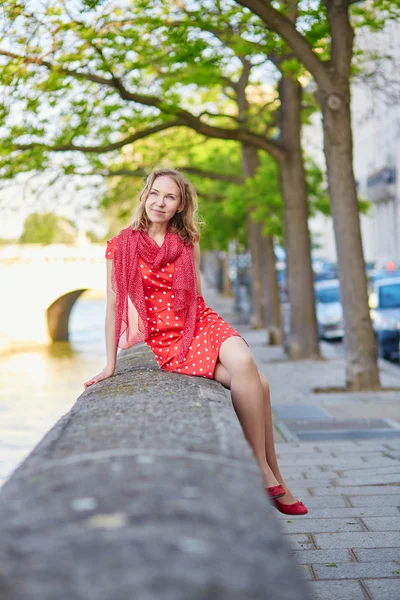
(272, 486)
(275, 491)
(289, 505)
(296, 508)
(288, 498)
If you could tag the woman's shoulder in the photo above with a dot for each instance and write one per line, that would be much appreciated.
(110, 249)
(112, 243)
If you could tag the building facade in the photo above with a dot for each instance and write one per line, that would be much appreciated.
(376, 139)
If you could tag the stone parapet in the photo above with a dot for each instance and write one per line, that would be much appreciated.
(145, 490)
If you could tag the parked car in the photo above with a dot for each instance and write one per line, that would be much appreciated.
(384, 302)
(374, 276)
(324, 269)
(329, 309)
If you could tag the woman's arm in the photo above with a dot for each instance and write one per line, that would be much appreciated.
(111, 344)
(196, 256)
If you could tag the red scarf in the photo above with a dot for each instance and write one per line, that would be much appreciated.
(131, 325)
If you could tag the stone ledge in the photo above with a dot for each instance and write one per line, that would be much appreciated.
(146, 489)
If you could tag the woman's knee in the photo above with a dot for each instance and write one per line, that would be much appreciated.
(236, 357)
(264, 383)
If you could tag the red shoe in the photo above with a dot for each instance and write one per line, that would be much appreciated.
(297, 508)
(276, 491)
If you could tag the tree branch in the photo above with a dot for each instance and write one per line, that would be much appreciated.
(107, 147)
(276, 21)
(187, 118)
(144, 171)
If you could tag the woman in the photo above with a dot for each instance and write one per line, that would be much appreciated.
(154, 296)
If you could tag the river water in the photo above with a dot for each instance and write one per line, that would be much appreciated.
(38, 387)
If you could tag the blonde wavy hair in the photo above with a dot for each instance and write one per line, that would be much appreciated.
(185, 222)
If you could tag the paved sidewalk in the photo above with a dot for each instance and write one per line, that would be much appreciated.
(348, 546)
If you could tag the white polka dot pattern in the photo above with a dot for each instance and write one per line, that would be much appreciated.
(166, 329)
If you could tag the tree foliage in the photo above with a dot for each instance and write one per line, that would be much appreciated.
(48, 228)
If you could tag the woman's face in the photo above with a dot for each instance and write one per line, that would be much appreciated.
(163, 200)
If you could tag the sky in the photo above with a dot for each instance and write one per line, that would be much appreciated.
(24, 195)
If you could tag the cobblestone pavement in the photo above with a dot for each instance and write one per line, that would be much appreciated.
(348, 546)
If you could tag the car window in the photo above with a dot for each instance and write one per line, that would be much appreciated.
(327, 295)
(389, 296)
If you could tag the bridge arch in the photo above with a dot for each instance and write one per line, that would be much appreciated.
(58, 313)
(43, 284)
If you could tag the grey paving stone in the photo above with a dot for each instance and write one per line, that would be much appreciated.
(383, 524)
(306, 572)
(376, 554)
(367, 470)
(365, 479)
(321, 525)
(324, 501)
(357, 570)
(299, 541)
(337, 555)
(290, 412)
(386, 589)
(358, 539)
(305, 462)
(329, 474)
(321, 481)
(338, 590)
(365, 454)
(378, 461)
(383, 501)
(347, 512)
(391, 444)
(360, 491)
(334, 445)
(362, 462)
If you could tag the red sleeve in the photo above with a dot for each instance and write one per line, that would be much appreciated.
(110, 247)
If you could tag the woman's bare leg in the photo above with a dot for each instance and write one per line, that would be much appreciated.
(247, 398)
(222, 375)
(288, 498)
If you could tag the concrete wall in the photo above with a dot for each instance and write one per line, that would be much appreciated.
(145, 490)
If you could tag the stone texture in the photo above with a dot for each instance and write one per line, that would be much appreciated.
(299, 541)
(345, 513)
(339, 590)
(382, 523)
(377, 554)
(380, 501)
(360, 490)
(145, 489)
(338, 555)
(326, 502)
(320, 525)
(365, 539)
(357, 570)
(387, 589)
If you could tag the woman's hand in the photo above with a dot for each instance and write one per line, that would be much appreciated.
(105, 374)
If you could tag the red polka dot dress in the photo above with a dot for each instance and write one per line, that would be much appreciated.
(166, 328)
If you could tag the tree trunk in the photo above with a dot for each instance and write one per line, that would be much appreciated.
(303, 337)
(271, 294)
(361, 364)
(265, 291)
(361, 361)
(257, 318)
(226, 282)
